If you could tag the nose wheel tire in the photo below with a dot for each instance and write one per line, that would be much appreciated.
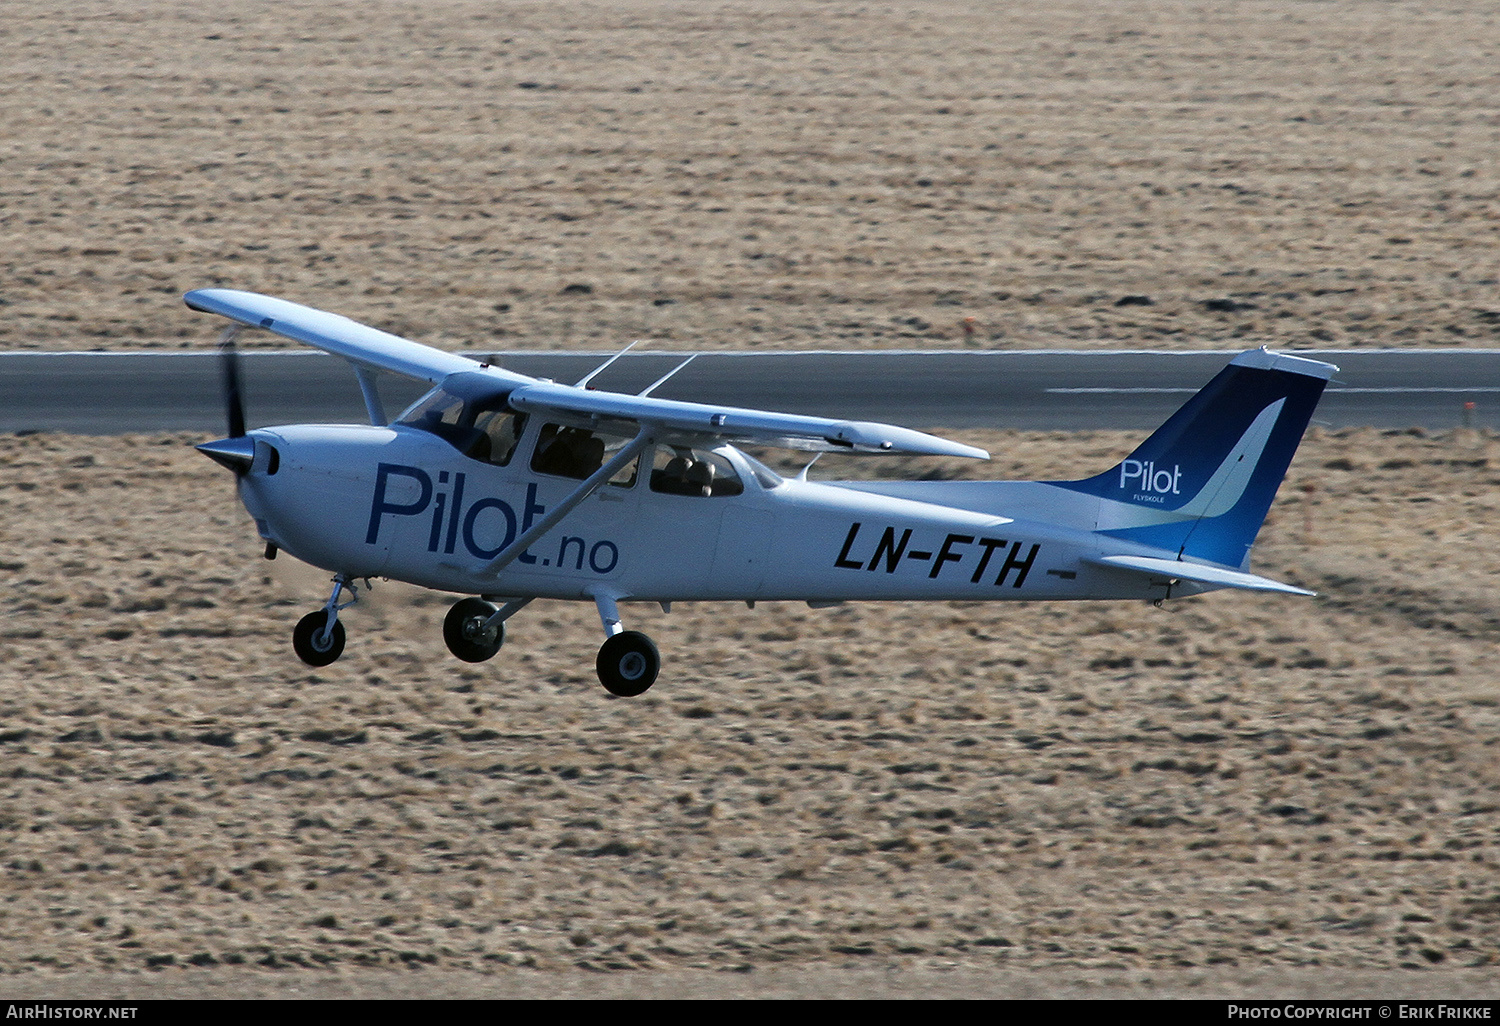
(312, 647)
(628, 664)
(466, 634)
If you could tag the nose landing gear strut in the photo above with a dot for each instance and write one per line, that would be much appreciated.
(319, 637)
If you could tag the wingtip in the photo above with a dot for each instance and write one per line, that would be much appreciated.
(952, 448)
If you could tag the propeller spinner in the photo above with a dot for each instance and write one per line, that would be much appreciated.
(236, 451)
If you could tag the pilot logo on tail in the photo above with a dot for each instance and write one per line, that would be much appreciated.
(1149, 479)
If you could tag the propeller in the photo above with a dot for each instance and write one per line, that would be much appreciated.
(234, 396)
(236, 451)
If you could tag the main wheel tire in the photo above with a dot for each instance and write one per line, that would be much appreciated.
(465, 633)
(628, 664)
(308, 641)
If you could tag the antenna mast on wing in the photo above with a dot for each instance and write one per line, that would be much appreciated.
(663, 379)
(581, 382)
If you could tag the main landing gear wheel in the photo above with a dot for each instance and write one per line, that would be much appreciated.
(315, 645)
(465, 632)
(628, 664)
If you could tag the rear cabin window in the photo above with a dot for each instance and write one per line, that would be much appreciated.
(693, 472)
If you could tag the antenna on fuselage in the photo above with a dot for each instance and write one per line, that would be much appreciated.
(802, 474)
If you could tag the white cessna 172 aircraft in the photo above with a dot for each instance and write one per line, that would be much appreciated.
(508, 488)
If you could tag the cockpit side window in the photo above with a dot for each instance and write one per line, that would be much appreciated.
(676, 470)
(500, 434)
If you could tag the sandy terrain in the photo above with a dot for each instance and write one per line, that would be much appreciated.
(1231, 784)
(1144, 172)
(1236, 794)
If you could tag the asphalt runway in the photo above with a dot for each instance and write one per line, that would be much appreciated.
(110, 393)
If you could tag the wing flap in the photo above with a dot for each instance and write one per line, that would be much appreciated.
(1202, 573)
(361, 344)
(702, 421)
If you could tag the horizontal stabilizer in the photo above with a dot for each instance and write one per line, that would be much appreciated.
(1218, 576)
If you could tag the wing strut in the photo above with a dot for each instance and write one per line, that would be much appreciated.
(591, 485)
(367, 388)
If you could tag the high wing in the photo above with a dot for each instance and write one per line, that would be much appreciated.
(370, 349)
(358, 343)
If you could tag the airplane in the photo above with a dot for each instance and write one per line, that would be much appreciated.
(504, 488)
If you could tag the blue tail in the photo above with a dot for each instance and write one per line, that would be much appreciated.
(1200, 486)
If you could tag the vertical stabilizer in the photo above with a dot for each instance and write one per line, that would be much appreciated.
(1200, 486)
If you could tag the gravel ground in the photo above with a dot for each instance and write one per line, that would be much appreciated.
(1228, 786)
(1235, 795)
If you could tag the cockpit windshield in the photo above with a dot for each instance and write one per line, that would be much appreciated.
(482, 428)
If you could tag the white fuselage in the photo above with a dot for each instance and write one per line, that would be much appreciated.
(400, 503)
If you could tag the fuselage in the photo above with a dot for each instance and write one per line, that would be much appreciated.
(403, 503)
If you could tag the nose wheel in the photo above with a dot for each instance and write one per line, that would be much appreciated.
(628, 664)
(319, 636)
